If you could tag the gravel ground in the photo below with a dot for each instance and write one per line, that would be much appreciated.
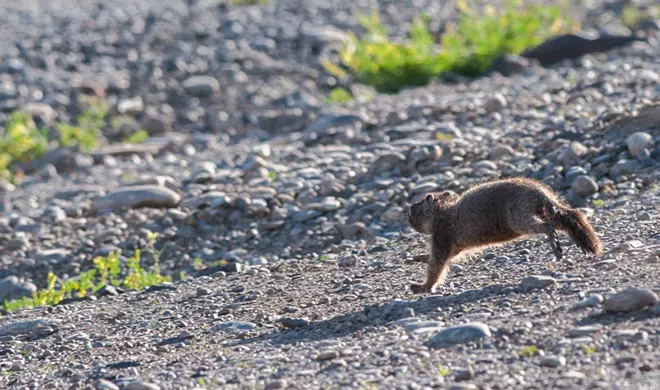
(306, 201)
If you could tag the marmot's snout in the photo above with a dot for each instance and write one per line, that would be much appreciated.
(417, 216)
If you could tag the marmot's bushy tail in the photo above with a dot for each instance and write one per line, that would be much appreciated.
(576, 225)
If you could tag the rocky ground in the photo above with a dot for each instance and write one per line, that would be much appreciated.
(305, 202)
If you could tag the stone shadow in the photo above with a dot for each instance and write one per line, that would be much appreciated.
(605, 318)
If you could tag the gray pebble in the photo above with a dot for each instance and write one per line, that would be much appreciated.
(585, 185)
(553, 361)
(637, 142)
(459, 334)
(536, 282)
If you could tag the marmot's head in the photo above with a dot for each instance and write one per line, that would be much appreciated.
(422, 214)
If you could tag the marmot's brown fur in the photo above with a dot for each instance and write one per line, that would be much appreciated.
(493, 213)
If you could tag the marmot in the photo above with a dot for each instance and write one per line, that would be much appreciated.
(493, 213)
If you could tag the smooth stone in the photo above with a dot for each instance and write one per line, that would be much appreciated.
(585, 185)
(27, 327)
(630, 299)
(592, 301)
(536, 282)
(201, 86)
(459, 334)
(638, 142)
(233, 327)
(136, 197)
(553, 361)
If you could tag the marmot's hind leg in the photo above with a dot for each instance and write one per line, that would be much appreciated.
(554, 241)
(530, 224)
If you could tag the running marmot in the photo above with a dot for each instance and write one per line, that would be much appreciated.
(493, 213)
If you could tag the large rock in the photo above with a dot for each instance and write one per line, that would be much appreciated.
(136, 197)
(12, 288)
(37, 326)
(584, 185)
(639, 141)
(630, 299)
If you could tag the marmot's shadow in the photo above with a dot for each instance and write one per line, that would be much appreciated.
(372, 316)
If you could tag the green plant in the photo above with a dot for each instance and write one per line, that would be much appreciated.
(339, 95)
(481, 37)
(386, 65)
(90, 122)
(528, 351)
(467, 49)
(87, 138)
(632, 16)
(589, 349)
(443, 371)
(106, 271)
(598, 202)
(137, 137)
(21, 141)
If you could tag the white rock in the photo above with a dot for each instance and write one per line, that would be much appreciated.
(496, 103)
(630, 299)
(637, 142)
(535, 282)
(584, 185)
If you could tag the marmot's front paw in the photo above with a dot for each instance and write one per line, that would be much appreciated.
(417, 288)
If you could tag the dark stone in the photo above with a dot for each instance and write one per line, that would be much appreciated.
(570, 46)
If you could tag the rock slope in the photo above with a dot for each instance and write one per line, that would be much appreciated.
(287, 214)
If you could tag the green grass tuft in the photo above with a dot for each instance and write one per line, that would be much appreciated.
(137, 137)
(632, 16)
(468, 49)
(106, 271)
(528, 351)
(23, 141)
(339, 95)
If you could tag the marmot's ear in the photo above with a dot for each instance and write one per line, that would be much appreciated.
(428, 198)
(448, 194)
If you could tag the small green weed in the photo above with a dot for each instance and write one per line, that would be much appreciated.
(632, 16)
(468, 49)
(528, 351)
(443, 371)
(598, 202)
(137, 137)
(21, 141)
(589, 349)
(86, 138)
(364, 385)
(89, 125)
(339, 95)
(106, 271)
